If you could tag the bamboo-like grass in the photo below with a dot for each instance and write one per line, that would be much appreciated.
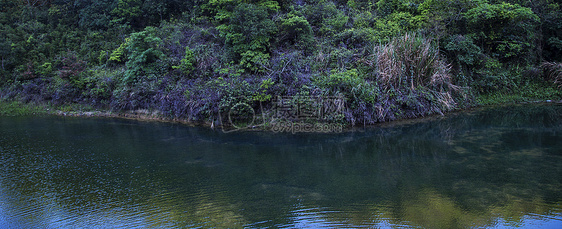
(553, 72)
(411, 61)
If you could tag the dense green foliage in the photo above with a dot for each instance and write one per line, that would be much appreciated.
(390, 59)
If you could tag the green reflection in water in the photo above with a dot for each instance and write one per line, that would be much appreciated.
(491, 167)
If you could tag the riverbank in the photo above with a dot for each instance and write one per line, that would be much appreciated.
(17, 108)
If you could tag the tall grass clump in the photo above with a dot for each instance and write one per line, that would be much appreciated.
(552, 71)
(411, 61)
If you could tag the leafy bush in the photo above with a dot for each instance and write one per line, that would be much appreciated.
(71, 66)
(360, 95)
(316, 14)
(45, 70)
(338, 82)
(143, 53)
(248, 33)
(464, 52)
(356, 38)
(128, 11)
(336, 22)
(254, 61)
(386, 7)
(493, 76)
(119, 55)
(361, 35)
(187, 64)
(296, 30)
(97, 86)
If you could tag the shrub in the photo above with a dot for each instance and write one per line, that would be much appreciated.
(296, 30)
(334, 23)
(46, 69)
(97, 85)
(143, 54)
(254, 60)
(118, 55)
(493, 76)
(336, 82)
(316, 14)
(463, 51)
(350, 84)
(187, 64)
(261, 94)
(71, 66)
(248, 33)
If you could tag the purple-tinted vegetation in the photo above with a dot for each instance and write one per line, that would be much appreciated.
(216, 83)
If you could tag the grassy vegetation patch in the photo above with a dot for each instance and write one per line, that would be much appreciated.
(16, 108)
(531, 93)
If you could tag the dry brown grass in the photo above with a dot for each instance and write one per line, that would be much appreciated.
(552, 71)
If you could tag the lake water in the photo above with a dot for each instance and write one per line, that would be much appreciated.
(488, 168)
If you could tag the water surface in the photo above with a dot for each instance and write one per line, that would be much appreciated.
(489, 168)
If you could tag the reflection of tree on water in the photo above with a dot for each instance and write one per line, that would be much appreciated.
(454, 172)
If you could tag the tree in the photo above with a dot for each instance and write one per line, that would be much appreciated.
(296, 30)
(95, 14)
(129, 11)
(143, 52)
(249, 33)
(504, 30)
